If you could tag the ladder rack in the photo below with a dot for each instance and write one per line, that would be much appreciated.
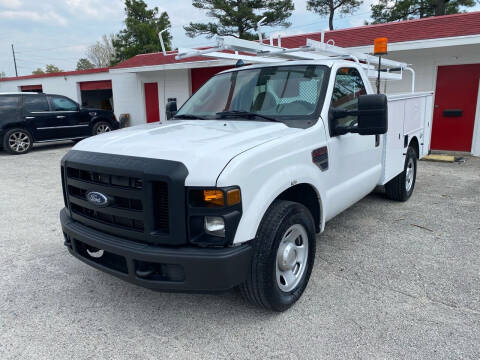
(231, 48)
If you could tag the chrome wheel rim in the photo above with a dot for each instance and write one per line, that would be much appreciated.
(410, 173)
(19, 142)
(103, 129)
(292, 256)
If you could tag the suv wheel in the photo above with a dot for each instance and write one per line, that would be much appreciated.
(17, 141)
(284, 253)
(101, 127)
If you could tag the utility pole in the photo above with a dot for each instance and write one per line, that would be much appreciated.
(14, 61)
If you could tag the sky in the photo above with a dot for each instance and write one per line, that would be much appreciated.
(59, 31)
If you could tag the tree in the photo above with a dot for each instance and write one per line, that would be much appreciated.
(49, 69)
(84, 64)
(140, 35)
(239, 18)
(102, 53)
(329, 7)
(386, 10)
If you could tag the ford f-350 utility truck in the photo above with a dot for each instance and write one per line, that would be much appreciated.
(232, 190)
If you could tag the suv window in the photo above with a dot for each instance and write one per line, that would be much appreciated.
(8, 102)
(348, 87)
(34, 103)
(60, 103)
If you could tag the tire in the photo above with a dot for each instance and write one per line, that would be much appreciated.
(264, 286)
(17, 141)
(101, 127)
(401, 187)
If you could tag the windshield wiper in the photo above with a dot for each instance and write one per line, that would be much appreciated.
(188, 116)
(239, 113)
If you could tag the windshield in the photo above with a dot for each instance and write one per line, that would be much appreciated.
(273, 93)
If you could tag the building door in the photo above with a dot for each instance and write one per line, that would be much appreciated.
(455, 105)
(151, 102)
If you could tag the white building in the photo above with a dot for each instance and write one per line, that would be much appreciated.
(444, 51)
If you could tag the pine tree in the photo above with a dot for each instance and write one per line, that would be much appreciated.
(386, 10)
(329, 7)
(239, 18)
(140, 35)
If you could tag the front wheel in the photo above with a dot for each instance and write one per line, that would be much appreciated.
(400, 188)
(284, 253)
(101, 127)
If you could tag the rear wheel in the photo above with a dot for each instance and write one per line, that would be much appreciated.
(101, 127)
(284, 253)
(400, 188)
(17, 141)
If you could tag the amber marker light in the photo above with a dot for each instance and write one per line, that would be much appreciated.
(233, 197)
(214, 197)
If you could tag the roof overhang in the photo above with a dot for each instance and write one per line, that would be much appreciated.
(425, 44)
(174, 66)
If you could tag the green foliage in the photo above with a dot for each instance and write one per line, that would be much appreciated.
(140, 35)
(49, 68)
(386, 10)
(239, 18)
(329, 7)
(84, 64)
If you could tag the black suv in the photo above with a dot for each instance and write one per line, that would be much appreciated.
(26, 118)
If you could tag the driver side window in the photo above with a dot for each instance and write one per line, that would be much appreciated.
(346, 90)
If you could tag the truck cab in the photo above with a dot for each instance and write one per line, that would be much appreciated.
(232, 190)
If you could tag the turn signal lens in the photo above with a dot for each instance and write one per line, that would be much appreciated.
(233, 197)
(213, 197)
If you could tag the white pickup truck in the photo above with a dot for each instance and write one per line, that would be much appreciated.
(233, 189)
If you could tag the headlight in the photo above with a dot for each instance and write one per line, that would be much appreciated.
(213, 215)
(215, 225)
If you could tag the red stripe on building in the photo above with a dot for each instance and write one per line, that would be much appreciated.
(96, 85)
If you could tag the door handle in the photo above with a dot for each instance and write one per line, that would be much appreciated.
(60, 117)
(29, 117)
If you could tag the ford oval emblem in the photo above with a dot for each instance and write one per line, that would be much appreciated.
(97, 198)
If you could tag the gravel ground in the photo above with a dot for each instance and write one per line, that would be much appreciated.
(391, 280)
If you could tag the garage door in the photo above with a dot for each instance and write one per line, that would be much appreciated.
(31, 88)
(96, 85)
(455, 105)
(200, 76)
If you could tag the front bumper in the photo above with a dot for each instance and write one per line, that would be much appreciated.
(159, 268)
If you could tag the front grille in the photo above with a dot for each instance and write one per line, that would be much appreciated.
(126, 211)
(135, 196)
(105, 179)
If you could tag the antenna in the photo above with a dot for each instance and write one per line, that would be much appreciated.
(161, 41)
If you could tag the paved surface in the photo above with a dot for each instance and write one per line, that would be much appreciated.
(391, 281)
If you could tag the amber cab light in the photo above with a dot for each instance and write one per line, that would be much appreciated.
(380, 46)
(213, 197)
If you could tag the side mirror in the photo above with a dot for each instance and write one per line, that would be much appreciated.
(171, 109)
(372, 116)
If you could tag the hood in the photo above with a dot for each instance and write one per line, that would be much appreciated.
(203, 146)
